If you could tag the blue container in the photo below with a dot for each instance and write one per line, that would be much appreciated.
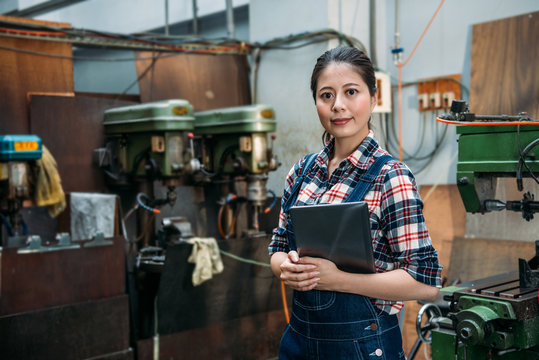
(20, 147)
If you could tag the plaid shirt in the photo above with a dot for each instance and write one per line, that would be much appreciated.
(399, 235)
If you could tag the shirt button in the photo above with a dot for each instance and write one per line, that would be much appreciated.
(378, 352)
(374, 327)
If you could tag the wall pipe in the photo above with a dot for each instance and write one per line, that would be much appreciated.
(230, 19)
(195, 17)
(167, 33)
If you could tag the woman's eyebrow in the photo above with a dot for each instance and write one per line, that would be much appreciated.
(325, 88)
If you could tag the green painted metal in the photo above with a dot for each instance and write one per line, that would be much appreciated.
(494, 332)
(223, 129)
(170, 162)
(134, 126)
(159, 116)
(490, 151)
(220, 144)
(236, 120)
(502, 309)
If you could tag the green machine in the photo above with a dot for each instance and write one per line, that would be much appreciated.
(487, 152)
(235, 145)
(496, 317)
(491, 318)
(151, 141)
(167, 141)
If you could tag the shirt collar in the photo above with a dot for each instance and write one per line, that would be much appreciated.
(360, 158)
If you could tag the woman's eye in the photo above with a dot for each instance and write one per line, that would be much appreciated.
(351, 91)
(326, 96)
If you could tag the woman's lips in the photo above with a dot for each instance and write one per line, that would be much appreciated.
(340, 121)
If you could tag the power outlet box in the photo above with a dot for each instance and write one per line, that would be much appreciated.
(383, 95)
(423, 101)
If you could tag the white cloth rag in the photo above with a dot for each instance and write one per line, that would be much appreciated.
(206, 257)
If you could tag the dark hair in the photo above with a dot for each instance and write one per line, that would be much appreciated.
(346, 55)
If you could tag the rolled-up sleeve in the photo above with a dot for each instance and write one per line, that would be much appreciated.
(404, 226)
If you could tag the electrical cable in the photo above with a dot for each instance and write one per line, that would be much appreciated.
(244, 260)
(143, 74)
(273, 201)
(409, 157)
(401, 65)
(523, 159)
(285, 304)
(6, 224)
(140, 203)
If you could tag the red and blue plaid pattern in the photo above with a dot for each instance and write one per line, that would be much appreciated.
(399, 235)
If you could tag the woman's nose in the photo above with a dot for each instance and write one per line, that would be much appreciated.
(337, 104)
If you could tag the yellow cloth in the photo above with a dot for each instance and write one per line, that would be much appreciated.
(206, 257)
(48, 190)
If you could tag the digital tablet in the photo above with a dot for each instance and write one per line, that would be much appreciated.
(337, 232)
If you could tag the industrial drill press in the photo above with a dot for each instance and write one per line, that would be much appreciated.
(17, 153)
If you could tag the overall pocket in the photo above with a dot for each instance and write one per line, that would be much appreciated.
(314, 299)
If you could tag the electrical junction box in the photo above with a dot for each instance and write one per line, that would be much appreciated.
(423, 101)
(439, 91)
(383, 95)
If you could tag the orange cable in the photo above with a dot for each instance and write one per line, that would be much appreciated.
(487, 123)
(26, 32)
(285, 305)
(400, 66)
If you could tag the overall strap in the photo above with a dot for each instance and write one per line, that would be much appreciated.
(309, 160)
(366, 180)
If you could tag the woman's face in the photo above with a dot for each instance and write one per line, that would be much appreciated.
(343, 102)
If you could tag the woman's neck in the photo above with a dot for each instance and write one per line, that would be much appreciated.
(341, 150)
(344, 147)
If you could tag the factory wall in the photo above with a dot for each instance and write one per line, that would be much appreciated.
(284, 76)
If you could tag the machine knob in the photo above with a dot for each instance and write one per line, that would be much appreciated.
(475, 324)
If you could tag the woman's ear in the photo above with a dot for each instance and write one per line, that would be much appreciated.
(374, 101)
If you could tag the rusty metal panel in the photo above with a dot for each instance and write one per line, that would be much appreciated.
(90, 329)
(39, 280)
(251, 337)
(23, 73)
(206, 81)
(71, 128)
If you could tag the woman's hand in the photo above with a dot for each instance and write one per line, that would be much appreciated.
(327, 270)
(298, 273)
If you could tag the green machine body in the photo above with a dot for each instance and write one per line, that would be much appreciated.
(151, 139)
(235, 140)
(488, 152)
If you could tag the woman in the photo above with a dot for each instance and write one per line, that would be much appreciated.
(340, 315)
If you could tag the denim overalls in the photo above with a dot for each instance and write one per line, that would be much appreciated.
(335, 325)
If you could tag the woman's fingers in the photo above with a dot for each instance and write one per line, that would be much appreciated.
(302, 285)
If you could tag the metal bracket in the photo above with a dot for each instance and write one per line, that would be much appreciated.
(99, 240)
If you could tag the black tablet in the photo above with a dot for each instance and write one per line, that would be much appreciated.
(337, 232)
